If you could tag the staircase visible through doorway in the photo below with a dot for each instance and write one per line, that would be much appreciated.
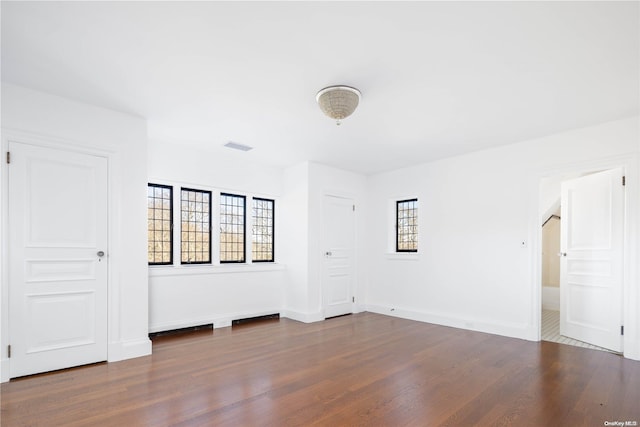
(551, 331)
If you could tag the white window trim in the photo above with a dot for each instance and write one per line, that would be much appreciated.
(203, 269)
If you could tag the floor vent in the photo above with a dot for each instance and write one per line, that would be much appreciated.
(239, 322)
(208, 326)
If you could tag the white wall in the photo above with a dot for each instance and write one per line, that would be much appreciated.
(325, 180)
(223, 168)
(550, 250)
(294, 238)
(306, 185)
(472, 270)
(189, 295)
(35, 116)
(550, 242)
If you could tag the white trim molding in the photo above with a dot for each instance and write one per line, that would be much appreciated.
(513, 330)
(303, 317)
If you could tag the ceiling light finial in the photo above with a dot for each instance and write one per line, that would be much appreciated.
(338, 102)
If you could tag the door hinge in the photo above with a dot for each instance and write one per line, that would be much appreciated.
(9, 352)
(353, 299)
(354, 208)
(8, 157)
(624, 180)
(622, 330)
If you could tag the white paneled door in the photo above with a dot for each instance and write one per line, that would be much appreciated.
(57, 259)
(339, 236)
(591, 270)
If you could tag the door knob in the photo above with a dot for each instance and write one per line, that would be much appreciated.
(100, 254)
(562, 254)
(327, 253)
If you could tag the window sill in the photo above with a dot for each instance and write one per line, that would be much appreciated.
(402, 256)
(200, 269)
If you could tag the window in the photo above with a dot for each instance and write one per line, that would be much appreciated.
(159, 224)
(232, 228)
(195, 210)
(407, 225)
(263, 218)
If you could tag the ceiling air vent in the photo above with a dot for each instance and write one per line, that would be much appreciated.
(237, 146)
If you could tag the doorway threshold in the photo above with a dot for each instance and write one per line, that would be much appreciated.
(551, 332)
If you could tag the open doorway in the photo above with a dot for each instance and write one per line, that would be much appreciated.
(582, 219)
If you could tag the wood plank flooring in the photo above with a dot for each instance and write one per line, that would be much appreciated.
(364, 369)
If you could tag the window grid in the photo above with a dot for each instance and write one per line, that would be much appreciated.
(232, 228)
(263, 224)
(407, 225)
(159, 224)
(195, 210)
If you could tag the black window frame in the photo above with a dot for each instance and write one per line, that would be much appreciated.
(273, 229)
(244, 229)
(182, 252)
(164, 187)
(398, 203)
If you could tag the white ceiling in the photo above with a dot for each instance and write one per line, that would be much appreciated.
(437, 78)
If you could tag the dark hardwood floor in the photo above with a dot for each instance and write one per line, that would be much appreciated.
(365, 369)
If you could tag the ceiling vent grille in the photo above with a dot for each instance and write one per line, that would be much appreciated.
(237, 146)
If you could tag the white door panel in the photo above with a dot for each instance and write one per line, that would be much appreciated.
(591, 270)
(60, 320)
(60, 184)
(57, 281)
(339, 232)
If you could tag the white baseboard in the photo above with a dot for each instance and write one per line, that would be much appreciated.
(302, 317)
(4, 370)
(633, 355)
(631, 346)
(123, 350)
(179, 324)
(219, 321)
(513, 330)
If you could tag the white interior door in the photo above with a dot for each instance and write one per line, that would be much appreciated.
(339, 234)
(591, 270)
(57, 274)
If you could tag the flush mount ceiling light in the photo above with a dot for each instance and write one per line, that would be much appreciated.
(338, 102)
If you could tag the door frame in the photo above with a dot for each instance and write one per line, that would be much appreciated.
(354, 282)
(45, 141)
(630, 303)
